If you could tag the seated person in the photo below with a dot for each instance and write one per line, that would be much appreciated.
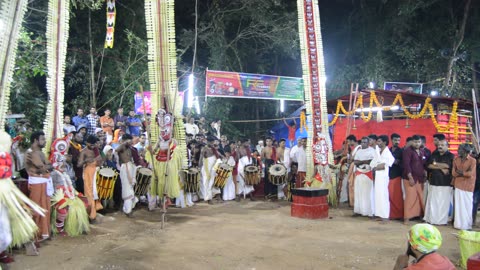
(423, 242)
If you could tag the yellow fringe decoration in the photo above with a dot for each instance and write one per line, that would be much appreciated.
(162, 70)
(427, 106)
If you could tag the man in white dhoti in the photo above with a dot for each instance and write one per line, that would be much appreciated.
(244, 161)
(208, 156)
(128, 173)
(381, 165)
(229, 189)
(439, 189)
(283, 155)
(464, 173)
(363, 204)
(347, 193)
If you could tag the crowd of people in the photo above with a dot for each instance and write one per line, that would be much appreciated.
(69, 179)
(411, 181)
(377, 181)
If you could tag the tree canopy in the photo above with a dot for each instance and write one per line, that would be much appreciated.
(434, 42)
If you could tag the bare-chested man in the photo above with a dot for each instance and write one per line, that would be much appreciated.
(89, 161)
(269, 157)
(208, 156)
(127, 174)
(283, 157)
(40, 185)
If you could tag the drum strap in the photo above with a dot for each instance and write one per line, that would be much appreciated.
(274, 154)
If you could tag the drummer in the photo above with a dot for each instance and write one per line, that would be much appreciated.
(127, 174)
(228, 192)
(269, 157)
(283, 154)
(207, 161)
(245, 160)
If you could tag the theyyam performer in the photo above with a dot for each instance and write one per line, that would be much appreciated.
(69, 213)
(165, 160)
(17, 225)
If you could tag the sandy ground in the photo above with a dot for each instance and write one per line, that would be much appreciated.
(246, 235)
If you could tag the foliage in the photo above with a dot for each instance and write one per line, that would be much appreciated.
(28, 85)
(364, 41)
(404, 41)
(243, 36)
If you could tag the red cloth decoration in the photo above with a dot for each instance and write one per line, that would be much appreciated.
(387, 127)
(369, 174)
(5, 165)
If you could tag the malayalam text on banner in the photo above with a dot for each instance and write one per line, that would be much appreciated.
(246, 85)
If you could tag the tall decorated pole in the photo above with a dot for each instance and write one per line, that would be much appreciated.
(162, 65)
(57, 38)
(11, 16)
(14, 205)
(313, 66)
(165, 133)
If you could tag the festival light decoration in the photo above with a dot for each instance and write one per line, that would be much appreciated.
(427, 106)
(197, 105)
(57, 38)
(190, 91)
(11, 18)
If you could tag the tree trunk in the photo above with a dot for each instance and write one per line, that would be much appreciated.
(92, 65)
(456, 45)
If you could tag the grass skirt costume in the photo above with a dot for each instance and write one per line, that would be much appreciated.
(69, 212)
(17, 226)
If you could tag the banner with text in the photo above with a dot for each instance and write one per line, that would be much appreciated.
(139, 105)
(404, 87)
(245, 85)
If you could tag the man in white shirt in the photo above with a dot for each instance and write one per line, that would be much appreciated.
(363, 188)
(381, 165)
(141, 143)
(191, 127)
(298, 155)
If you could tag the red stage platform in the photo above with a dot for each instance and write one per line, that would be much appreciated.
(310, 203)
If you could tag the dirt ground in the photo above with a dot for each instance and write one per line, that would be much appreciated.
(247, 235)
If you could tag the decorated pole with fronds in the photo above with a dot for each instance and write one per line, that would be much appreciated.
(57, 38)
(162, 68)
(313, 66)
(12, 13)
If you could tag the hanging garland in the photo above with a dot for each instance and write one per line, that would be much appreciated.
(12, 13)
(453, 123)
(111, 16)
(57, 39)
